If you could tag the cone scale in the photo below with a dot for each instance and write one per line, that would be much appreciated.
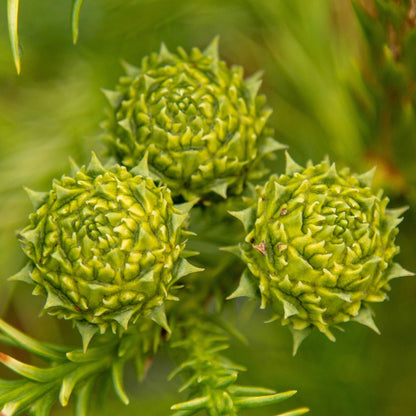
(201, 124)
(319, 248)
(105, 248)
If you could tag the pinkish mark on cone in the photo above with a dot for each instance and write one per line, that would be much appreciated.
(261, 248)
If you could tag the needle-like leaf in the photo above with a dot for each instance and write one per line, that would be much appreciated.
(75, 9)
(40, 349)
(12, 16)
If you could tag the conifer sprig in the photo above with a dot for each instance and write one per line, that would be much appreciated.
(210, 378)
(314, 226)
(71, 372)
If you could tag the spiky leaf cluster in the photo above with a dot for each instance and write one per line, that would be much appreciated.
(105, 247)
(319, 247)
(72, 373)
(202, 125)
(210, 377)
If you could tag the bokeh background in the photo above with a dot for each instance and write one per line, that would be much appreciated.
(338, 85)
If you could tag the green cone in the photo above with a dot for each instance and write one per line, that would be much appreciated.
(319, 248)
(202, 125)
(105, 247)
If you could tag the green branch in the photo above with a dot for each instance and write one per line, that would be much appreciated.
(210, 377)
(71, 372)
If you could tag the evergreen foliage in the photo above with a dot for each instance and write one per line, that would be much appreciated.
(108, 245)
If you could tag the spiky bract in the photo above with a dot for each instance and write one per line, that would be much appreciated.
(202, 125)
(320, 247)
(105, 247)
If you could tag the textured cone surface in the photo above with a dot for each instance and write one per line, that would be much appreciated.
(320, 246)
(104, 247)
(202, 125)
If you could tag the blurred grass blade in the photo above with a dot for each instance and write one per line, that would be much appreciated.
(12, 17)
(75, 9)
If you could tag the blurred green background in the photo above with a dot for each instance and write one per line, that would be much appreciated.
(335, 89)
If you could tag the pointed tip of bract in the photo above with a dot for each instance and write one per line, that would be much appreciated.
(186, 207)
(126, 125)
(164, 53)
(74, 168)
(246, 216)
(253, 86)
(113, 97)
(332, 171)
(131, 70)
(148, 81)
(271, 145)
(64, 194)
(299, 335)
(87, 332)
(236, 250)
(53, 300)
(396, 271)
(142, 169)
(123, 318)
(289, 309)
(366, 179)
(95, 167)
(397, 212)
(246, 287)
(212, 49)
(184, 268)
(29, 234)
(158, 315)
(36, 198)
(178, 219)
(23, 275)
(291, 166)
(365, 317)
(220, 188)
